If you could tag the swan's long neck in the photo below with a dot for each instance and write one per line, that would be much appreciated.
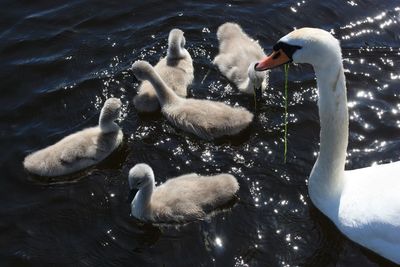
(141, 203)
(164, 93)
(107, 124)
(326, 179)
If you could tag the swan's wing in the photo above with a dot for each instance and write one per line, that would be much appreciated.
(369, 209)
(370, 203)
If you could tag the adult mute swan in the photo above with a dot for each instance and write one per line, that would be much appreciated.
(176, 69)
(363, 203)
(237, 56)
(182, 199)
(81, 149)
(204, 118)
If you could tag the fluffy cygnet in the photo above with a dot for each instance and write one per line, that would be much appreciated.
(182, 199)
(81, 149)
(176, 69)
(237, 56)
(204, 118)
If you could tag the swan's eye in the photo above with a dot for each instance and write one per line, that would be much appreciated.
(286, 48)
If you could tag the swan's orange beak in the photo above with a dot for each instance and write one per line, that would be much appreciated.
(275, 59)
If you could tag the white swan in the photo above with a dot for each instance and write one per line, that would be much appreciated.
(204, 118)
(81, 149)
(364, 203)
(237, 56)
(176, 69)
(182, 199)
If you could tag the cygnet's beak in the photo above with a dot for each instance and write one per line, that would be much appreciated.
(275, 59)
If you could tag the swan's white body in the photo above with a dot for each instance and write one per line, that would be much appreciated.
(369, 209)
(204, 118)
(185, 198)
(176, 69)
(81, 149)
(237, 54)
(363, 203)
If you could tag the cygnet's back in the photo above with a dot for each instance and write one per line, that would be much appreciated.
(184, 198)
(176, 69)
(204, 118)
(81, 149)
(208, 119)
(237, 53)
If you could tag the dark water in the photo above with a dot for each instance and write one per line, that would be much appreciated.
(61, 60)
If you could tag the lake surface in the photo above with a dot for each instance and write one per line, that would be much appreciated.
(59, 62)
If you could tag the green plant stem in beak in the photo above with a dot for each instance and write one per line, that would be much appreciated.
(286, 67)
(257, 97)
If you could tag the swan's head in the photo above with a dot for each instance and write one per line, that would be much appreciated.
(142, 70)
(140, 176)
(306, 45)
(176, 44)
(109, 113)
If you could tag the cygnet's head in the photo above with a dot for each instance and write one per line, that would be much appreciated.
(142, 70)
(140, 176)
(306, 45)
(112, 107)
(109, 113)
(256, 77)
(228, 30)
(176, 44)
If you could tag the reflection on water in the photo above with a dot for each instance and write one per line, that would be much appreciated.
(60, 62)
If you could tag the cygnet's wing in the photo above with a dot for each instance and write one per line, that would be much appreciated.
(72, 153)
(84, 145)
(208, 119)
(190, 196)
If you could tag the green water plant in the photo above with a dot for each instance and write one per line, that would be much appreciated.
(257, 97)
(286, 67)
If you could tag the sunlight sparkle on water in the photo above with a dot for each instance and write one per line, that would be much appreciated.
(218, 242)
(352, 3)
